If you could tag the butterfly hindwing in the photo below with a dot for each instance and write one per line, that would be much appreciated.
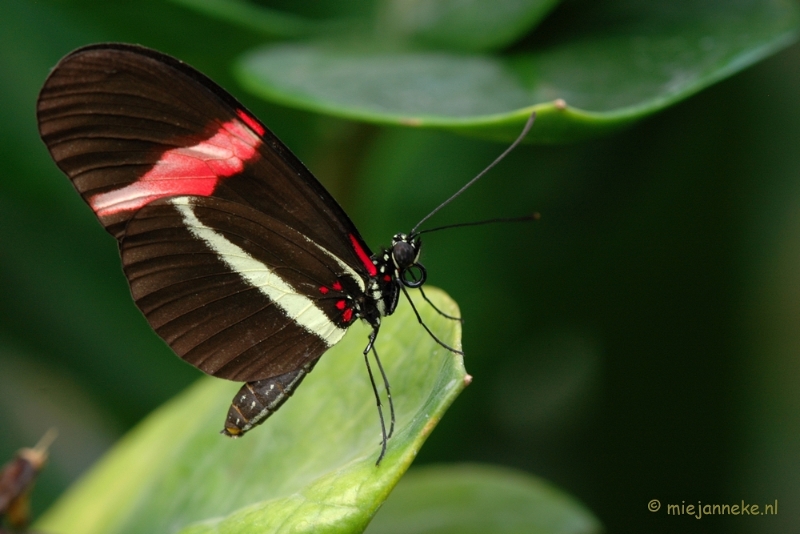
(233, 291)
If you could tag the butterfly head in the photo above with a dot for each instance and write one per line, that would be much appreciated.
(405, 256)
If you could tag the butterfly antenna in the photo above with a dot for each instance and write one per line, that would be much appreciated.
(524, 218)
(519, 139)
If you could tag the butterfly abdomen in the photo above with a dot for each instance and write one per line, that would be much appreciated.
(257, 400)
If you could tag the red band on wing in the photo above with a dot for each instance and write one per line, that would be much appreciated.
(251, 122)
(362, 255)
(193, 170)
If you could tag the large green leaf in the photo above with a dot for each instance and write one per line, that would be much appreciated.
(467, 25)
(456, 24)
(310, 468)
(476, 499)
(268, 22)
(590, 72)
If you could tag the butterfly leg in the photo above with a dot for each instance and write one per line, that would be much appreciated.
(419, 320)
(443, 314)
(384, 435)
(388, 391)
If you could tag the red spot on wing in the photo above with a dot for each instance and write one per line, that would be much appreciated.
(362, 255)
(324, 290)
(192, 170)
(340, 304)
(347, 315)
(337, 286)
(387, 278)
(251, 122)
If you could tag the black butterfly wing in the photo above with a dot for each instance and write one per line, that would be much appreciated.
(130, 125)
(235, 292)
(136, 130)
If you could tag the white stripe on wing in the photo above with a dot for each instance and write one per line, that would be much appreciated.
(297, 307)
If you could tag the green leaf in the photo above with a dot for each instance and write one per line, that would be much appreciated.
(310, 468)
(470, 25)
(467, 25)
(467, 499)
(614, 63)
(268, 22)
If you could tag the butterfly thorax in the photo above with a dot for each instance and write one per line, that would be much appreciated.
(395, 265)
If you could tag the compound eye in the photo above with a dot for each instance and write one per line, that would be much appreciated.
(403, 254)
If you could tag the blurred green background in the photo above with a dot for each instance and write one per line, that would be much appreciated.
(640, 342)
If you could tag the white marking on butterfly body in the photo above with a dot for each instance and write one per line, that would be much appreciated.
(297, 307)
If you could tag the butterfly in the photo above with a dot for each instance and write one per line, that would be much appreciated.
(239, 258)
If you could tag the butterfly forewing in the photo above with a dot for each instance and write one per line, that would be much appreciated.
(107, 119)
(130, 125)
